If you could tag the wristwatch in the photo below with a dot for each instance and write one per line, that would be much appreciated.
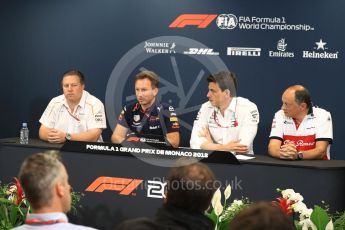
(299, 156)
(68, 136)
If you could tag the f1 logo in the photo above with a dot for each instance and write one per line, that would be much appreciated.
(200, 20)
(155, 189)
(123, 185)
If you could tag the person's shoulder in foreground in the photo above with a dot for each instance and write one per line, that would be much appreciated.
(139, 224)
(43, 221)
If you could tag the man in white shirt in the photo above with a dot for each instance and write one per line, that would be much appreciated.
(75, 115)
(226, 122)
(299, 130)
(45, 182)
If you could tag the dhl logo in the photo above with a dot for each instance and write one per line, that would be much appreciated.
(200, 20)
(124, 186)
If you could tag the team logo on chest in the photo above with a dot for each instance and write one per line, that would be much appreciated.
(136, 118)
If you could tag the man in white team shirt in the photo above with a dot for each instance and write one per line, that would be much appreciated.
(299, 130)
(76, 115)
(226, 122)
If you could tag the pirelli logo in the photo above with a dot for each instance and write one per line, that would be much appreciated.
(124, 186)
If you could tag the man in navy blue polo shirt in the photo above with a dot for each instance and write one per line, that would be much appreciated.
(147, 115)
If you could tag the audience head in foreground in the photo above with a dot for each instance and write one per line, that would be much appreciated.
(190, 185)
(262, 216)
(45, 182)
(190, 188)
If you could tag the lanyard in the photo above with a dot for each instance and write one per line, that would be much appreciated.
(43, 222)
(234, 122)
(72, 115)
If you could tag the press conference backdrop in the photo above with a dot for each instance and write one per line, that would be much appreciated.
(269, 45)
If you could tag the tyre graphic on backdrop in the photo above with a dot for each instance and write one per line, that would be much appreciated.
(181, 63)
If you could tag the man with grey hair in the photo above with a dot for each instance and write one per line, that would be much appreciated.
(226, 122)
(45, 182)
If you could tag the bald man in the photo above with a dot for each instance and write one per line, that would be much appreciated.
(299, 130)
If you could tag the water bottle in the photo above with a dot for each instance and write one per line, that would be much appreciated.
(24, 134)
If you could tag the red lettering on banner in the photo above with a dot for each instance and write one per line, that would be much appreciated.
(200, 20)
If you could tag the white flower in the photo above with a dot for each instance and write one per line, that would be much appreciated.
(218, 209)
(287, 193)
(307, 223)
(329, 226)
(235, 204)
(11, 190)
(238, 202)
(305, 214)
(299, 207)
(296, 197)
(227, 192)
(216, 198)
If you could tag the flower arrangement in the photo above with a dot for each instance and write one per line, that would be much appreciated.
(14, 206)
(315, 219)
(222, 215)
(290, 202)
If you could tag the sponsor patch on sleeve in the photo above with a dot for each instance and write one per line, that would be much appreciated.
(173, 119)
(255, 115)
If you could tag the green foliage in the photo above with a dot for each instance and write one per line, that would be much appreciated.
(232, 210)
(339, 223)
(229, 212)
(75, 199)
(212, 215)
(310, 219)
(11, 215)
(319, 217)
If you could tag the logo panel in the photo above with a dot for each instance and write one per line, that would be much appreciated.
(124, 186)
(155, 189)
(199, 20)
(244, 51)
